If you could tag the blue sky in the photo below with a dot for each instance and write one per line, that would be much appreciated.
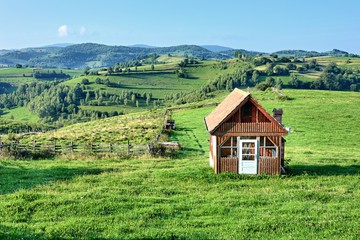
(253, 25)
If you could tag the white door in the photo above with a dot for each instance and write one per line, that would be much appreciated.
(248, 156)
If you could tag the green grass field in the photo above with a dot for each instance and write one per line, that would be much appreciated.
(24, 75)
(138, 128)
(181, 198)
(21, 114)
(162, 81)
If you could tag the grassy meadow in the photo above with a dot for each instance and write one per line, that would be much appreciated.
(162, 81)
(25, 74)
(181, 198)
(21, 114)
(139, 128)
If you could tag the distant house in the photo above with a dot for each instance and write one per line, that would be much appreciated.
(244, 138)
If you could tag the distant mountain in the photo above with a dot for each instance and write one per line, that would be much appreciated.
(4, 51)
(61, 45)
(336, 53)
(303, 53)
(23, 56)
(231, 53)
(142, 46)
(216, 48)
(99, 55)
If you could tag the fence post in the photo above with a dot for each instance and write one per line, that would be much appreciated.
(110, 146)
(34, 145)
(14, 146)
(128, 149)
(54, 147)
(72, 146)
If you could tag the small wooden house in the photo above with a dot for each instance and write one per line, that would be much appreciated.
(244, 138)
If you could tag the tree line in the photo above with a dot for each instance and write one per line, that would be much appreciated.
(52, 101)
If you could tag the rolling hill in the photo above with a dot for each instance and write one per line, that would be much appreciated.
(216, 48)
(99, 55)
(181, 197)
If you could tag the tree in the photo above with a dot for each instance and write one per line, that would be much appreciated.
(85, 81)
(255, 77)
(229, 85)
(291, 66)
(116, 68)
(279, 83)
(72, 108)
(87, 98)
(100, 100)
(294, 82)
(148, 99)
(110, 70)
(270, 81)
(87, 70)
(98, 80)
(133, 98)
(269, 68)
(354, 87)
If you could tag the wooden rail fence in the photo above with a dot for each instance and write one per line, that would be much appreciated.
(91, 148)
(55, 148)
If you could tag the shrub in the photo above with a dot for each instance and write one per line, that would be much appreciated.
(85, 81)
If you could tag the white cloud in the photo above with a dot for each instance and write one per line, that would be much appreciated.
(82, 31)
(63, 31)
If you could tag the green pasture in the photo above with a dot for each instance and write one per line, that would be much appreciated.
(181, 197)
(24, 75)
(138, 128)
(21, 114)
(159, 83)
(16, 75)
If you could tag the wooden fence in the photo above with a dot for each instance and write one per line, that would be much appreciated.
(55, 148)
(83, 148)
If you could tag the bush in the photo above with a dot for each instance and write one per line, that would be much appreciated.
(354, 87)
(85, 81)
(262, 86)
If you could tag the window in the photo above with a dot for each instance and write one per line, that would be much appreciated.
(246, 113)
(229, 148)
(267, 148)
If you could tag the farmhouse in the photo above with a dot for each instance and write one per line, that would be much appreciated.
(244, 138)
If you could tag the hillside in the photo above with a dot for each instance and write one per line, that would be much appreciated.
(182, 198)
(99, 55)
(96, 55)
(303, 53)
(137, 86)
(216, 48)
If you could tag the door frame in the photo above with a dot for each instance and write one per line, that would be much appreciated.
(240, 155)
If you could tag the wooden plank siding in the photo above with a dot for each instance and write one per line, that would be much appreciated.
(229, 164)
(250, 129)
(266, 165)
(269, 165)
